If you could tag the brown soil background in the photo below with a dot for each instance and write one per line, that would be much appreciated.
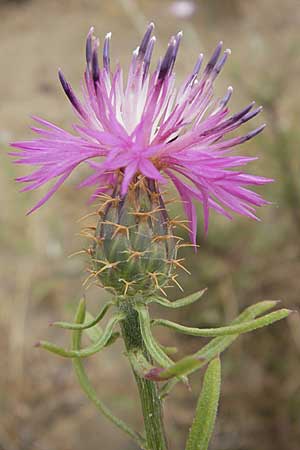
(41, 406)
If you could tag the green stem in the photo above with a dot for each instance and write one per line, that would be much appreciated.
(148, 390)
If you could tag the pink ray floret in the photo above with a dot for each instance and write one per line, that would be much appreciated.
(149, 126)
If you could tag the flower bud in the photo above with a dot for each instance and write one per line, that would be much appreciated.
(134, 248)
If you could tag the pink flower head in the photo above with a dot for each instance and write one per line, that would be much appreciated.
(149, 126)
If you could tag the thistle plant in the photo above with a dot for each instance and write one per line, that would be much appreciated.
(135, 137)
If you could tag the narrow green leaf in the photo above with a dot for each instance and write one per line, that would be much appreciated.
(152, 346)
(245, 327)
(95, 348)
(256, 310)
(206, 411)
(88, 323)
(88, 388)
(217, 345)
(181, 302)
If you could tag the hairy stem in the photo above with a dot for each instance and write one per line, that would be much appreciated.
(148, 390)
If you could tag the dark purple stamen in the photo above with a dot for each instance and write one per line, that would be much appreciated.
(88, 48)
(251, 114)
(176, 48)
(70, 94)
(232, 120)
(214, 58)
(148, 55)
(195, 72)
(218, 67)
(177, 40)
(226, 97)
(106, 57)
(252, 134)
(241, 113)
(145, 41)
(168, 60)
(198, 65)
(95, 66)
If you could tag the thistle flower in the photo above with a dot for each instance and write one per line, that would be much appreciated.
(144, 134)
(149, 128)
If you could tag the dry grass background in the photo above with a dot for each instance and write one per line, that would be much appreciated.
(41, 406)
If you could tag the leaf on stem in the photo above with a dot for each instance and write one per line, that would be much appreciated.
(244, 327)
(206, 411)
(181, 302)
(88, 323)
(155, 350)
(217, 345)
(95, 348)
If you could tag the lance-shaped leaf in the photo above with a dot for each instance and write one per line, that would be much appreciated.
(217, 345)
(179, 303)
(94, 334)
(88, 323)
(95, 348)
(152, 346)
(88, 388)
(206, 411)
(146, 370)
(245, 327)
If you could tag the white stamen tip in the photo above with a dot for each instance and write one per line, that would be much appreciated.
(108, 35)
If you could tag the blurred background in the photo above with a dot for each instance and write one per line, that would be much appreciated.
(41, 405)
